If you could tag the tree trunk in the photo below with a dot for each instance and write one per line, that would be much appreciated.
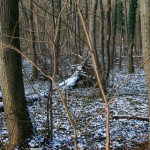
(101, 9)
(114, 18)
(145, 30)
(126, 22)
(92, 27)
(130, 59)
(107, 39)
(58, 7)
(131, 33)
(33, 49)
(15, 108)
(57, 24)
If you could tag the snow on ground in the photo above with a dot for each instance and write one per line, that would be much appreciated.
(85, 103)
(1, 104)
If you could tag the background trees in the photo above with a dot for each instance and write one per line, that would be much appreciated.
(59, 37)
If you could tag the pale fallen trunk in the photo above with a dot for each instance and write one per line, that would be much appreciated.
(73, 80)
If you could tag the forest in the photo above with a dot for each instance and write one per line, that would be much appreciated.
(74, 74)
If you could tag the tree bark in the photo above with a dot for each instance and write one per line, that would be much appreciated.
(57, 24)
(92, 28)
(33, 49)
(131, 33)
(126, 21)
(145, 30)
(102, 35)
(108, 33)
(114, 18)
(15, 108)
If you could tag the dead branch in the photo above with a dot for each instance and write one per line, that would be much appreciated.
(130, 117)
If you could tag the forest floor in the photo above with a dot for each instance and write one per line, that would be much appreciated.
(85, 103)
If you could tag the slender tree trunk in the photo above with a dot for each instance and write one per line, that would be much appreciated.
(120, 52)
(145, 28)
(15, 108)
(102, 49)
(33, 49)
(79, 35)
(114, 18)
(92, 27)
(56, 9)
(131, 33)
(130, 58)
(98, 77)
(58, 23)
(107, 39)
(126, 22)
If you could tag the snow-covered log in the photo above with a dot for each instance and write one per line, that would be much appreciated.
(73, 80)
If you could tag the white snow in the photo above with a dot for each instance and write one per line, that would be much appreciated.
(132, 100)
(70, 82)
(0, 94)
(1, 105)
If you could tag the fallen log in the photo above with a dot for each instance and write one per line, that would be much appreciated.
(130, 117)
(73, 80)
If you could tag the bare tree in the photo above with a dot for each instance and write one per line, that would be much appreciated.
(114, 24)
(92, 27)
(131, 33)
(33, 49)
(15, 108)
(107, 37)
(102, 35)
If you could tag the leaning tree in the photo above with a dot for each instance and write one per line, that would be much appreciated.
(15, 108)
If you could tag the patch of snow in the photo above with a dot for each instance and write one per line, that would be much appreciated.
(70, 82)
(0, 94)
(1, 105)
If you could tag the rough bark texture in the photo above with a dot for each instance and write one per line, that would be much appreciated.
(107, 39)
(114, 25)
(131, 33)
(126, 23)
(57, 24)
(92, 27)
(102, 34)
(16, 114)
(33, 49)
(145, 28)
(130, 59)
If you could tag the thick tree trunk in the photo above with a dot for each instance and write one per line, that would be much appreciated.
(16, 114)
(145, 30)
